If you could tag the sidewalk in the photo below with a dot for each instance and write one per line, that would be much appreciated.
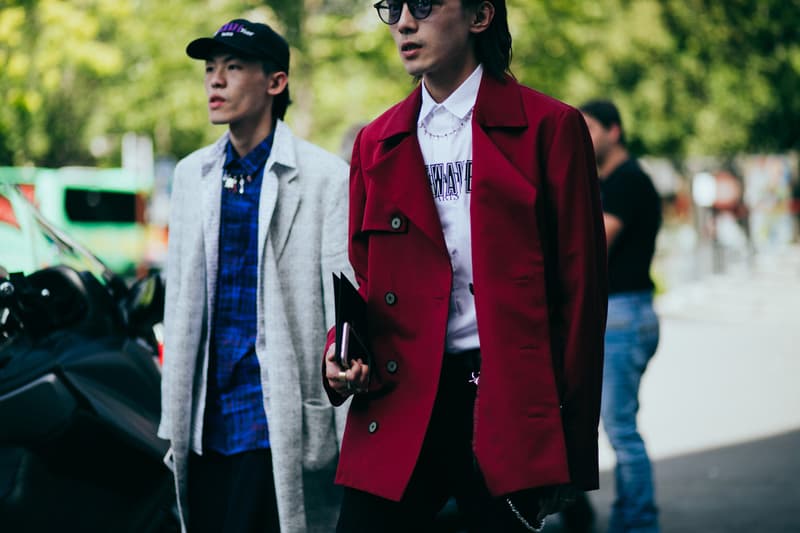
(721, 404)
(751, 487)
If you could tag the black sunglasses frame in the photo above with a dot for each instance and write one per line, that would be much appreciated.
(419, 9)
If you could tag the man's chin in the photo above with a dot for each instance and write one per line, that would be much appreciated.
(414, 69)
(218, 120)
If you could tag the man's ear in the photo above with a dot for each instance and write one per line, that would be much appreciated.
(277, 83)
(482, 18)
(615, 130)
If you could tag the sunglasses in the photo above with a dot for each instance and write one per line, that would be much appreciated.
(390, 10)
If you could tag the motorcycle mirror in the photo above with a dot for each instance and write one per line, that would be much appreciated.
(144, 304)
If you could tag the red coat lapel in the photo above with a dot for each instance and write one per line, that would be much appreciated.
(400, 169)
(499, 104)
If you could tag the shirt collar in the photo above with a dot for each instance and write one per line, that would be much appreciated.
(253, 161)
(459, 103)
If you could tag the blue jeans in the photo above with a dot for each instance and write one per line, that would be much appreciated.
(631, 340)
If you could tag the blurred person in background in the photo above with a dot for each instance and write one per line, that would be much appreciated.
(257, 224)
(474, 206)
(632, 216)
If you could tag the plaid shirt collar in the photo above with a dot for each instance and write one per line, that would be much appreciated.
(250, 164)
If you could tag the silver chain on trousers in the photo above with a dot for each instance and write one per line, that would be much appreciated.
(521, 518)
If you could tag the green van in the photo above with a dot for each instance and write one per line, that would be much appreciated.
(103, 209)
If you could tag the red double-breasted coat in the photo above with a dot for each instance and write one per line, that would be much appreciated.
(539, 278)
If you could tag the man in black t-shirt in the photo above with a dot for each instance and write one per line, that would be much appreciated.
(632, 216)
(632, 210)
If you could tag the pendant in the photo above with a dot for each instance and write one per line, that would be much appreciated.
(235, 183)
(229, 183)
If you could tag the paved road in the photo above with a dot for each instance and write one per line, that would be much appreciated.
(721, 404)
(751, 487)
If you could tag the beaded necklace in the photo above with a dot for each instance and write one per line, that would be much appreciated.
(449, 133)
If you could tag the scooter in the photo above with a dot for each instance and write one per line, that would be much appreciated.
(80, 401)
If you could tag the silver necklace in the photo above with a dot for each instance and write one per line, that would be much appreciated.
(458, 128)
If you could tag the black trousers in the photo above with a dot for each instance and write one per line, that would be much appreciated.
(232, 493)
(446, 468)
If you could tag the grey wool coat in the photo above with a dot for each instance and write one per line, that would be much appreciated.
(302, 236)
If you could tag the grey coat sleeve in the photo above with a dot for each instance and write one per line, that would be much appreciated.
(173, 277)
(335, 259)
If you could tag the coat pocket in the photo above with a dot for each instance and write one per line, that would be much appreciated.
(320, 446)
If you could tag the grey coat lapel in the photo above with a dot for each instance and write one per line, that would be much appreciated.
(211, 176)
(280, 179)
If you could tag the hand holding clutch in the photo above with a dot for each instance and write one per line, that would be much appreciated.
(354, 379)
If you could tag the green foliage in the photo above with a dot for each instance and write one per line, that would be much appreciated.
(690, 77)
(702, 77)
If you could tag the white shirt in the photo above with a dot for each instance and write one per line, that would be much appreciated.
(445, 137)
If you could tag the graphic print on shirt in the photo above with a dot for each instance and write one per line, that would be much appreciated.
(450, 180)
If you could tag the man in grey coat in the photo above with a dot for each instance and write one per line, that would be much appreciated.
(258, 222)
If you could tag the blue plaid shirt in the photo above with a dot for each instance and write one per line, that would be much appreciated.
(234, 418)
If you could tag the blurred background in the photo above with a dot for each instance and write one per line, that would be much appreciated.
(98, 101)
(707, 90)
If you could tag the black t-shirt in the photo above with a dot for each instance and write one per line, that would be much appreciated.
(629, 194)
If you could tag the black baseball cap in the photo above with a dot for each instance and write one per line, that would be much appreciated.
(250, 39)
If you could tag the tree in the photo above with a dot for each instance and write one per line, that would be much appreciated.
(692, 77)
(744, 69)
(51, 56)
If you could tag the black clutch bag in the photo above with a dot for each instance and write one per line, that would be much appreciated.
(352, 341)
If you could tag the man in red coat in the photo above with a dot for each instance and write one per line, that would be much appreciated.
(477, 241)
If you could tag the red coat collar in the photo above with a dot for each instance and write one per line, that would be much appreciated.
(499, 105)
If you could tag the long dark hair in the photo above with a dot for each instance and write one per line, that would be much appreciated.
(493, 46)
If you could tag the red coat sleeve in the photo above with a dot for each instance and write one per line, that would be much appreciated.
(576, 221)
